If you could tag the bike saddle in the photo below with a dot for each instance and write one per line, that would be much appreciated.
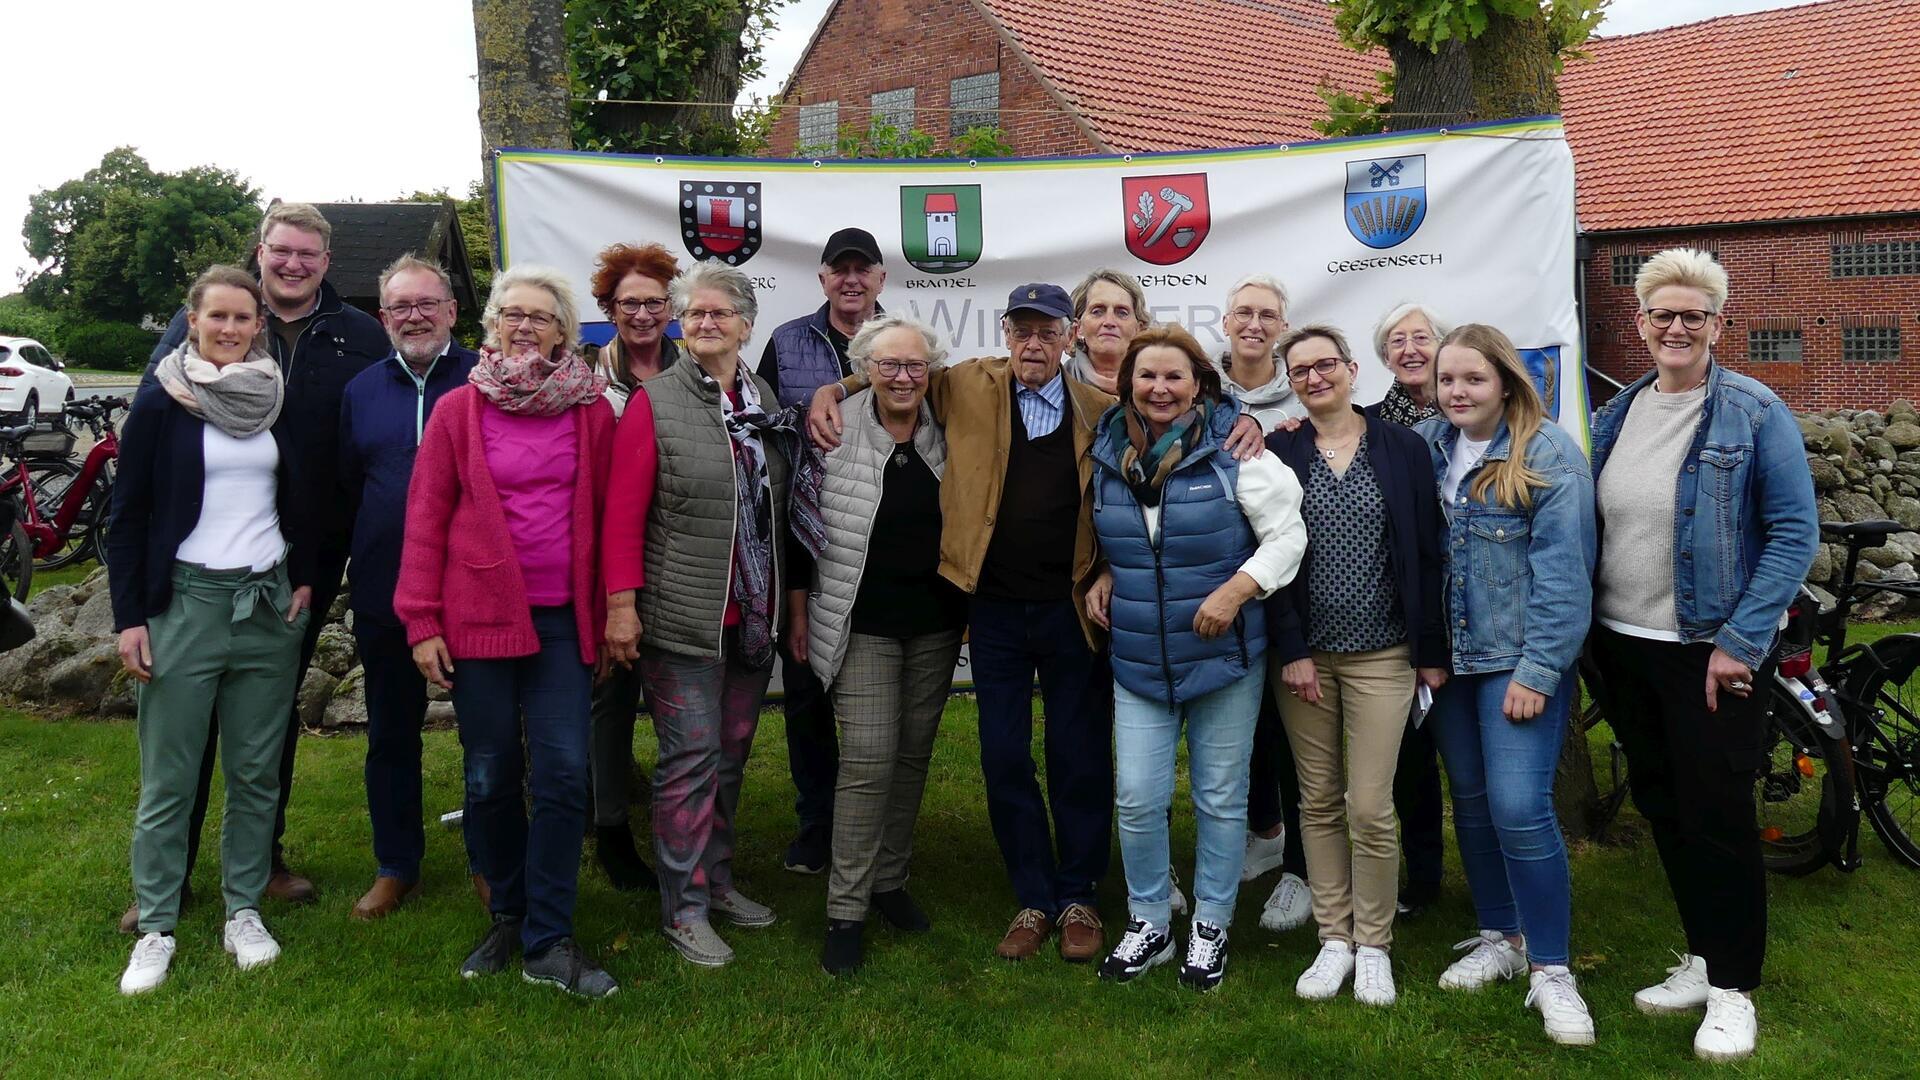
(1863, 528)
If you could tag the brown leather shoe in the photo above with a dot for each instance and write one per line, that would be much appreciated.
(484, 891)
(1081, 936)
(386, 896)
(290, 887)
(130, 922)
(1029, 929)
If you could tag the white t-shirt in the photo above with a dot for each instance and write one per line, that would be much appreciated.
(239, 526)
(1466, 454)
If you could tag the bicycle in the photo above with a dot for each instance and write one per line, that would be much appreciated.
(16, 549)
(63, 529)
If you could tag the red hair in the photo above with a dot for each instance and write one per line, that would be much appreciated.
(615, 263)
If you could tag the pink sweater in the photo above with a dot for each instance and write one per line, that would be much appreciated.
(459, 574)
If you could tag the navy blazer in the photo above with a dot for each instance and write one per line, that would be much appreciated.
(382, 412)
(156, 504)
(1403, 466)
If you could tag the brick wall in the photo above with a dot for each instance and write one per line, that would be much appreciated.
(873, 45)
(1782, 277)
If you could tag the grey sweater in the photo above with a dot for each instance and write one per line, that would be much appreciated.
(1634, 593)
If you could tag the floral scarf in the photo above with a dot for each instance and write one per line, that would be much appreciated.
(1144, 464)
(1398, 407)
(533, 385)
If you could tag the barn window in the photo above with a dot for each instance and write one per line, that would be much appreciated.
(976, 102)
(819, 127)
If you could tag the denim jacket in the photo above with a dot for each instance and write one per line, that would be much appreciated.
(1519, 579)
(1744, 526)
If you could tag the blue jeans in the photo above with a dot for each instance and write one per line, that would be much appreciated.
(1010, 641)
(532, 868)
(1502, 780)
(1146, 733)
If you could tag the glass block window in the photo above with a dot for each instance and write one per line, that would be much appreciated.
(1773, 346)
(1627, 267)
(1876, 260)
(819, 125)
(1870, 344)
(976, 102)
(894, 107)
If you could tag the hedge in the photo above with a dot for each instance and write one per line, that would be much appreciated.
(108, 346)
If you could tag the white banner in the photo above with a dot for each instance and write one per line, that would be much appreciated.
(1476, 222)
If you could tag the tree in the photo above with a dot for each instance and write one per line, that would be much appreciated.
(476, 231)
(646, 73)
(521, 47)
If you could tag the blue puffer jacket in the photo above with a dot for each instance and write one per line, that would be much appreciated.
(1158, 587)
(382, 412)
(800, 359)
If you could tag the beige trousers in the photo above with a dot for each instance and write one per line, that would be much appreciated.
(1345, 747)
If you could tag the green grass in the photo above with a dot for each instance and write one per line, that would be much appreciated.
(66, 575)
(382, 1000)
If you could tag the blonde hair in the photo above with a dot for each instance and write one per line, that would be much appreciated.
(300, 215)
(1511, 481)
(565, 311)
(1687, 267)
(1262, 281)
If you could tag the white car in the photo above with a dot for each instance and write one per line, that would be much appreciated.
(31, 381)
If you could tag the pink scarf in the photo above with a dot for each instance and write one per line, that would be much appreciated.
(533, 385)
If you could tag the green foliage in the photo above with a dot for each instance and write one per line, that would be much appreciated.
(476, 231)
(982, 141)
(123, 242)
(1367, 23)
(108, 346)
(1350, 114)
(21, 317)
(880, 139)
(665, 51)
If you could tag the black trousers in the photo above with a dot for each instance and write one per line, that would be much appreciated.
(813, 745)
(1692, 774)
(1416, 799)
(1273, 786)
(326, 587)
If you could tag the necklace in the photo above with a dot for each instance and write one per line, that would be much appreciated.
(1332, 452)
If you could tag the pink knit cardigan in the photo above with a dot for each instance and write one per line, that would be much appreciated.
(459, 575)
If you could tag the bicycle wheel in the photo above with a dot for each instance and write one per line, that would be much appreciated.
(1888, 750)
(16, 562)
(1802, 787)
(1592, 715)
(52, 482)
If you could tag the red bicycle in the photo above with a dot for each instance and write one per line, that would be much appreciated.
(63, 506)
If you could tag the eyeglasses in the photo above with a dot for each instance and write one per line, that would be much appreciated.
(696, 316)
(1049, 334)
(1418, 340)
(281, 254)
(1247, 314)
(1693, 319)
(915, 369)
(1323, 368)
(630, 306)
(427, 308)
(539, 320)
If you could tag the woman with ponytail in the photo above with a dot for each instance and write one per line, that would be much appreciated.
(1520, 553)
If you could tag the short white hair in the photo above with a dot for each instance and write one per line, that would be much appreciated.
(1687, 267)
(565, 311)
(1261, 281)
(1398, 314)
(714, 274)
(860, 349)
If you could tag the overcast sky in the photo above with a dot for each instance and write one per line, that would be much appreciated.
(364, 99)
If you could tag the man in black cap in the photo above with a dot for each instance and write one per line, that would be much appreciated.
(801, 356)
(1017, 535)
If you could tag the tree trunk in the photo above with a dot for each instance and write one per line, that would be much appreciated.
(716, 79)
(524, 87)
(1512, 68)
(1430, 89)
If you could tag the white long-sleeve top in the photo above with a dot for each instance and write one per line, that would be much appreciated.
(1269, 495)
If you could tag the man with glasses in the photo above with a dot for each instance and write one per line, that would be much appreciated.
(321, 342)
(801, 356)
(383, 412)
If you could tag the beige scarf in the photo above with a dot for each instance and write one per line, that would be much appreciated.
(241, 399)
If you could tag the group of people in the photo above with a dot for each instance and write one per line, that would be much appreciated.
(1331, 602)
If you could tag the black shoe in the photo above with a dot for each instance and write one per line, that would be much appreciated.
(562, 964)
(845, 949)
(1414, 900)
(1140, 948)
(808, 853)
(1206, 956)
(901, 912)
(613, 847)
(491, 955)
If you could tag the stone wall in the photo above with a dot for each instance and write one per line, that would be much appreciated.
(1866, 466)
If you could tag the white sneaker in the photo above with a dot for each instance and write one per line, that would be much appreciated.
(152, 956)
(1290, 905)
(248, 941)
(1492, 957)
(1328, 972)
(1551, 990)
(1178, 900)
(1684, 990)
(1263, 854)
(1373, 977)
(1731, 1026)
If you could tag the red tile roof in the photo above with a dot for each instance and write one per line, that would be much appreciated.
(1799, 112)
(1180, 74)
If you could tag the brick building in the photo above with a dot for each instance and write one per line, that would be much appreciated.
(1787, 142)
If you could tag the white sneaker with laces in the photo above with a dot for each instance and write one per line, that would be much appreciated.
(1551, 990)
(1730, 1029)
(1684, 989)
(1289, 906)
(1263, 854)
(1492, 957)
(152, 956)
(1328, 972)
(246, 938)
(1373, 977)
(1177, 901)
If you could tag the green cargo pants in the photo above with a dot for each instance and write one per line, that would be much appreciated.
(222, 644)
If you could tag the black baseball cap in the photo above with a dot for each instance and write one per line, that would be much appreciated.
(1039, 296)
(857, 241)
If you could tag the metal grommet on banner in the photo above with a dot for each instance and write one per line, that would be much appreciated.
(973, 163)
(658, 160)
(1284, 148)
(816, 163)
(1128, 158)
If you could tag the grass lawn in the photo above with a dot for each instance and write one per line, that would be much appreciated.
(1841, 999)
